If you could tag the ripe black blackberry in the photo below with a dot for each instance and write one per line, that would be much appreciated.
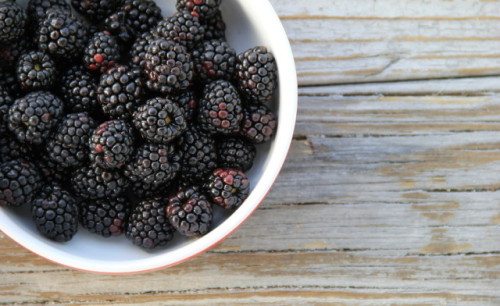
(93, 182)
(138, 49)
(102, 52)
(141, 15)
(62, 35)
(154, 166)
(228, 188)
(6, 101)
(55, 212)
(95, 10)
(237, 153)
(148, 226)
(11, 149)
(37, 9)
(112, 144)
(105, 217)
(220, 110)
(259, 124)
(50, 171)
(36, 71)
(199, 155)
(12, 21)
(116, 25)
(10, 53)
(188, 103)
(214, 60)
(257, 74)
(120, 91)
(79, 90)
(182, 28)
(19, 182)
(168, 67)
(215, 27)
(203, 9)
(160, 120)
(33, 117)
(68, 146)
(190, 212)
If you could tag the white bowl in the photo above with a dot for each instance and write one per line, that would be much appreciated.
(250, 23)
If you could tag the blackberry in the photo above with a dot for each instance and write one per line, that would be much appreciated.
(257, 74)
(182, 28)
(116, 25)
(168, 67)
(112, 144)
(190, 212)
(199, 155)
(105, 217)
(214, 59)
(120, 91)
(19, 182)
(92, 183)
(37, 9)
(79, 90)
(148, 226)
(259, 124)
(228, 188)
(101, 53)
(12, 21)
(220, 108)
(33, 117)
(11, 149)
(203, 9)
(188, 104)
(68, 147)
(36, 71)
(215, 27)
(55, 212)
(153, 167)
(160, 120)
(6, 101)
(141, 15)
(10, 53)
(62, 35)
(138, 49)
(236, 153)
(50, 171)
(95, 10)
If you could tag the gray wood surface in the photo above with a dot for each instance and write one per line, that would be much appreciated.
(390, 195)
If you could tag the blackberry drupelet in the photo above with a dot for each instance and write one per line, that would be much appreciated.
(228, 188)
(79, 90)
(160, 120)
(19, 182)
(259, 124)
(141, 15)
(12, 21)
(199, 155)
(102, 52)
(105, 217)
(138, 50)
(257, 74)
(182, 28)
(36, 71)
(203, 9)
(93, 182)
(220, 110)
(10, 53)
(33, 117)
(236, 153)
(68, 146)
(214, 60)
(6, 101)
(153, 167)
(188, 104)
(120, 91)
(215, 27)
(62, 35)
(148, 226)
(37, 9)
(168, 67)
(95, 10)
(55, 212)
(190, 212)
(112, 144)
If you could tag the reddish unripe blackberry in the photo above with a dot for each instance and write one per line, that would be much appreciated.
(182, 28)
(105, 217)
(214, 60)
(12, 21)
(259, 124)
(199, 155)
(257, 75)
(160, 121)
(36, 71)
(112, 144)
(93, 183)
(148, 226)
(55, 212)
(215, 27)
(220, 110)
(236, 153)
(203, 9)
(228, 188)
(190, 212)
(79, 90)
(188, 103)
(95, 10)
(19, 182)
(102, 52)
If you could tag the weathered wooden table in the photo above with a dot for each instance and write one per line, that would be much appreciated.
(391, 191)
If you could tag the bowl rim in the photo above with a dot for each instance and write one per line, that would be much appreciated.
(281, 144)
